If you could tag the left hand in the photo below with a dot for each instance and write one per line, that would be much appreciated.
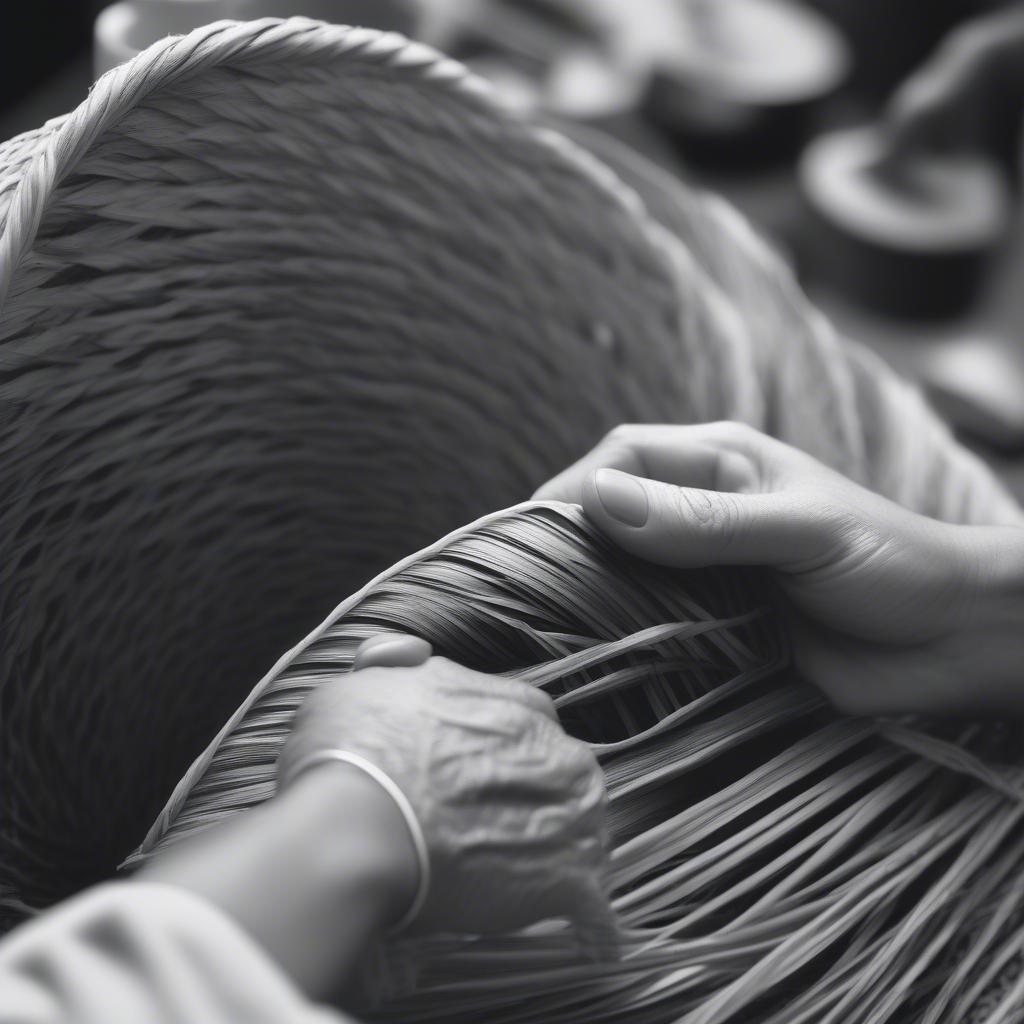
(511, 808)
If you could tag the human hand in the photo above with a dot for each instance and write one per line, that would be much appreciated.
(892, 612)
(511, 809)
(967, 94)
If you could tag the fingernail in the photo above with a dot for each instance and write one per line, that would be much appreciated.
(391, 651)
(622, 496)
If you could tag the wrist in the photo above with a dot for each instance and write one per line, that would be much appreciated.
(359, 843)
(314, 875)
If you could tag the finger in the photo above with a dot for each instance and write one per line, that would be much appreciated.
(857, 677)
(495, 686)
(533, 697)
(388, 650)
(711, 456)
(717, 456)
(687, 527)
(522, 693)
(568, 485)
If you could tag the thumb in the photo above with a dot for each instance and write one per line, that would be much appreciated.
(688, 527)
(392, 650)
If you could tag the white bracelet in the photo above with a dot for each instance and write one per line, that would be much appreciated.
(419, 841)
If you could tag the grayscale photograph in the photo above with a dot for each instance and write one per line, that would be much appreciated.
(511, 512)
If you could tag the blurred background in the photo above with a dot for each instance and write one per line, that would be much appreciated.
(779, 105)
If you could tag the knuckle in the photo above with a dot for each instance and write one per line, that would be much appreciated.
(845, 533)
(831, 516)
(446, 675)
(622, 441)
(543, 700)
(733, 429)
(522, 692)
(541, 709)
(739, 436)
(524, 725)
(728, 517)
(718, 513)
(523, 710)
(622, 431)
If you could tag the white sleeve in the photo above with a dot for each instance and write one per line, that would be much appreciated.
(137, 952)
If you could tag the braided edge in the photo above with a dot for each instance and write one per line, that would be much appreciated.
(184, 786)
(178, 58)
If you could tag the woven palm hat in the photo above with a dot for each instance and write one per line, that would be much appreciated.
(282, 302)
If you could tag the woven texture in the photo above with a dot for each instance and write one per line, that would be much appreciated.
(772, 861)
(282, 302)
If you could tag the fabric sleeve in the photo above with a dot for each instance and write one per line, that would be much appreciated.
(132, 952)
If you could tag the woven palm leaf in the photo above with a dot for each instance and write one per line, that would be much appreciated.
(281, 303)
(773, 861)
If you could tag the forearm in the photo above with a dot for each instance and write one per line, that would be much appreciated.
(314, 875)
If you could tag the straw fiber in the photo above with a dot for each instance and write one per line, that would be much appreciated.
(282, 302)
(773, 861)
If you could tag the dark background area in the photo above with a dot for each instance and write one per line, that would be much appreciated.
(39, 37)
(46, 70)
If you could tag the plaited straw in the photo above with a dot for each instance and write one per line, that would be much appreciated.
(286, 301)
(760, 839)
(305, 302)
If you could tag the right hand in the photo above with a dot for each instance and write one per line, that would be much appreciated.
(512, 809)
(891, 612)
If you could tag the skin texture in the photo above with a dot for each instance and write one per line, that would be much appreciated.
(512, 810)
(314, 875)
(891, 612)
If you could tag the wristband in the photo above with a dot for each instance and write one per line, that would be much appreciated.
(389, 785)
